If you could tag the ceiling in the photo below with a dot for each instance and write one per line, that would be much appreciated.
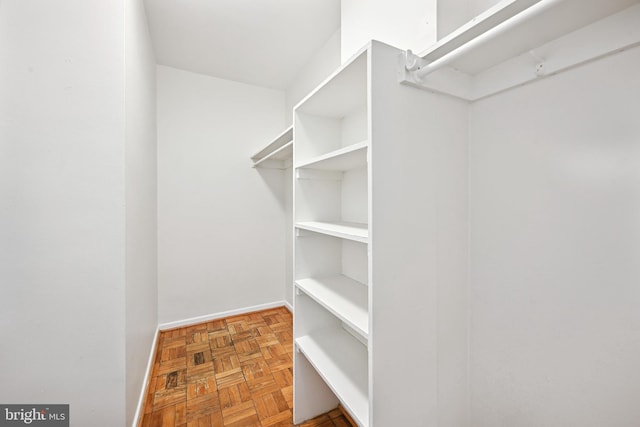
(260, 42)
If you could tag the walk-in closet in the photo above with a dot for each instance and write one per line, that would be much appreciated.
(320, 213)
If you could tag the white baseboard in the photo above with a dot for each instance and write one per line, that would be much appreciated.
(137, 418)
(214, 316)
(288, 307)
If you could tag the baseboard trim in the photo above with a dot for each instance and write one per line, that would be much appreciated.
(137, 418)
(223, 314)
(288, 306)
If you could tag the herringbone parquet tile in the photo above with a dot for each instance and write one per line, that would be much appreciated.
(233, 372)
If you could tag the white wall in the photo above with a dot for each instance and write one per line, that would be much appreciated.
(141, 194)
(476, 7)
(409, 24)
(62, 214)
(453, 14)
(221, 224)
(555, 250)
(322, 64)
(406, 24)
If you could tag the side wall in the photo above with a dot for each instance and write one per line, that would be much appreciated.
(452, 14)
(321, 65)
(405, 24)
(409, 24)
(141, 193)
(476, 7)
(62, 213)
(455, 13)
(221, 231)
(555, 250)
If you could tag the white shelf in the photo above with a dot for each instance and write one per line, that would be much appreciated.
(344, 230)
(340, 94)
(278, 154)
(538, 22)
(517, 42)
(341, 361)
(343, 159)
(345, 298)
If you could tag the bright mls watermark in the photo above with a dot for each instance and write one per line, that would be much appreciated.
(34, 415)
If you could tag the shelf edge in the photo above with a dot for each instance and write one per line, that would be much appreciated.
(329, 232)
(362, 145)
(269, 157)
(364, 333)
(283, 139)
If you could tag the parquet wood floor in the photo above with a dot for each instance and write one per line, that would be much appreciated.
(233, 372)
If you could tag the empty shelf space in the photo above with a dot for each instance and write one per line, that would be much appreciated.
(344, 230)
(341, 361)
(342, 159)
(278, 153)
(345, 298)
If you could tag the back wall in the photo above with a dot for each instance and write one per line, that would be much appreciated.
(221, 224)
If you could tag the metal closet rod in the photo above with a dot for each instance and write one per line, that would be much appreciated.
(518, 11)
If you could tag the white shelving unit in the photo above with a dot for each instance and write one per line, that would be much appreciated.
(331, 327)
(277, 154)
(382, 195)
(365, 243)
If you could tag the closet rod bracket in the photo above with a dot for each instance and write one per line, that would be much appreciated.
(412, 62)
